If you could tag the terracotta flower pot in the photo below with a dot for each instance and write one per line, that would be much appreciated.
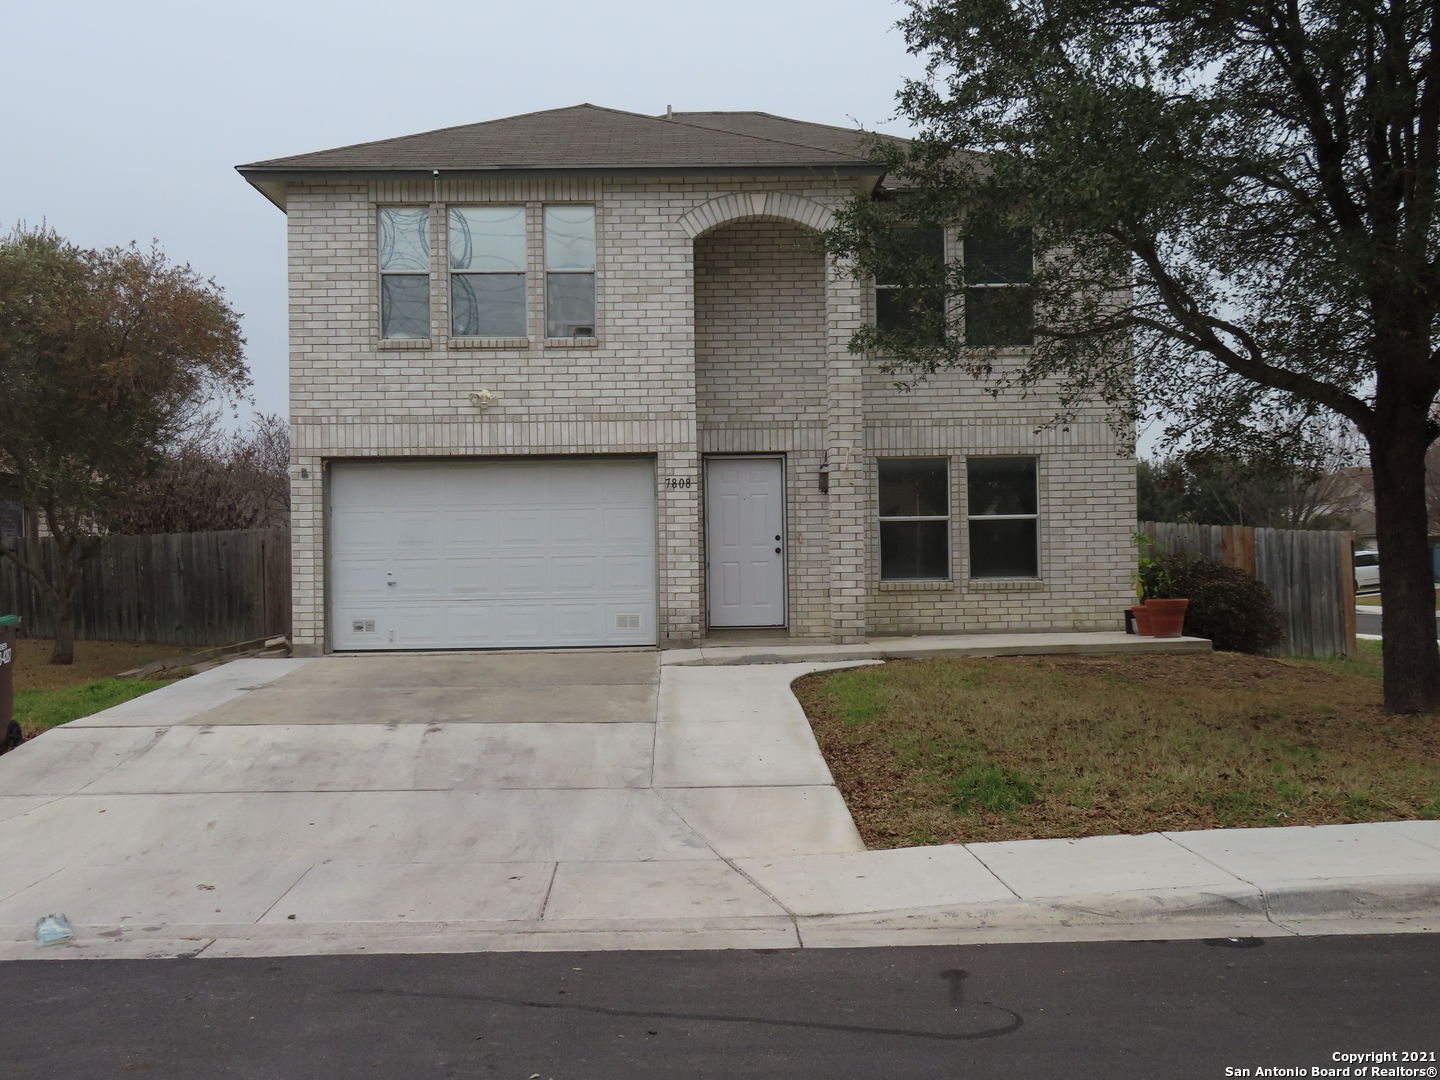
(1167, 617)
(1142, 621)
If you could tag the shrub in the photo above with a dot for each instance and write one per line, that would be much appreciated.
(1227, 605)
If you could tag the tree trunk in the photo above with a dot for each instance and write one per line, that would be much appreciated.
(1407, 589)
(64, 615)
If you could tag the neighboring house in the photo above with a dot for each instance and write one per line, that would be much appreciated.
(582, 377)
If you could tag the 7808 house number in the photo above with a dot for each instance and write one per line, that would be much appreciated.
(680, 483)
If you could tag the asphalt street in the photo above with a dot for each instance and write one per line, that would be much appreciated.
(1096, 1009)
(1370, 624)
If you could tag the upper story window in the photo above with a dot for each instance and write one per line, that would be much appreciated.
(894, 310)
(999, 308)
(569, 271)
(404, 272)
(1004, 511)
(914, 519)
(487, 271)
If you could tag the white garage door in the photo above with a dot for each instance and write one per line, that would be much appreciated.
(492, 554)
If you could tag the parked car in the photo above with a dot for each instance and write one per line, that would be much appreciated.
(1367, 570)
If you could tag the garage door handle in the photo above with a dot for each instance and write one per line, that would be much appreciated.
(391, 583)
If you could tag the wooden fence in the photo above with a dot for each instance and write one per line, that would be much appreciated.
(1310, 572)
(215, 588)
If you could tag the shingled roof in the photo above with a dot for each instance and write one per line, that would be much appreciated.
(591, 139)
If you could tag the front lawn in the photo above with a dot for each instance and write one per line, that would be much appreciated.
(957, 750)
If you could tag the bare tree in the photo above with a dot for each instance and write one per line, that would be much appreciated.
(212, 480)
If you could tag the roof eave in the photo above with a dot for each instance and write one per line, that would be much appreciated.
(272, 180)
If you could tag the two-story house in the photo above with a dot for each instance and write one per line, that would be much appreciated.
(583, 377)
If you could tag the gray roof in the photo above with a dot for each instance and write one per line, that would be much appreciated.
(591, 139)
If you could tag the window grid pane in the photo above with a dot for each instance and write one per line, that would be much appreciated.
(490, 238)
(1004, 525)
(404, 239)
(569, 305)
(487, 305)
(914, 550)
(405, 306)
(570, 238)
(914, 506)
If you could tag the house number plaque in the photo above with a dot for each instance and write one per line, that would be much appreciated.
(677, 483)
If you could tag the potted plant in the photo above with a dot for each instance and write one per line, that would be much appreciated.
(1164, 611)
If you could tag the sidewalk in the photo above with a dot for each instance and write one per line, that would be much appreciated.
(180, 824)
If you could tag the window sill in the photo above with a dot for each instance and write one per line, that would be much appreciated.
(1005, 584)
(490, 343)
(572, 342)
(916, 586)
(403, 343)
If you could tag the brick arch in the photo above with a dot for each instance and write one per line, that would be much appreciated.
(744, 205)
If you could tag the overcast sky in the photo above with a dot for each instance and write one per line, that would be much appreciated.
(124, 122)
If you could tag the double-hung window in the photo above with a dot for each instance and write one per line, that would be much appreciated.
(569, 271)
(901, 310)
(404, 272)
(914, 519)
(487, 271)
(999, 308)
(1004, 512)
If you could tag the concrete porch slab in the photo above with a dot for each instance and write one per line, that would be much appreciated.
(1038, 644)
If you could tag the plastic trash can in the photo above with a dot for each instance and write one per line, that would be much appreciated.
(9, 730)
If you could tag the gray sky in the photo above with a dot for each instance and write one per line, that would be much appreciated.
(123, 122)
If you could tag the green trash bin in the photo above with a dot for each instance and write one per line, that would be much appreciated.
(9, 728)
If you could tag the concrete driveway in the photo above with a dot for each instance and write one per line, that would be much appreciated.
(270, 800)
(597, 800)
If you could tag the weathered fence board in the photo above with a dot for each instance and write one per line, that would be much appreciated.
(177, 589)
(1310, 573)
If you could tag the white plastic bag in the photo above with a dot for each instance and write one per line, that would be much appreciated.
(52, 930)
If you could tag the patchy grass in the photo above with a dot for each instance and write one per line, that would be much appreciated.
(93, 660)
(950, 750)
(41, 710)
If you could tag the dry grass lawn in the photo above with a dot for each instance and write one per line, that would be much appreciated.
(955, 750)
(93, 660)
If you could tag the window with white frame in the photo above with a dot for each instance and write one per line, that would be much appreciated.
(404, 272)
(487, 271)
(914, 519)
(1004, 515)
(569, 271)
(999, 308)
(919, 248)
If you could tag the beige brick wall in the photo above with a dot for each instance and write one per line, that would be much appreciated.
(732, 342)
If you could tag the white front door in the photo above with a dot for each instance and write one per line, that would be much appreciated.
(745, 540)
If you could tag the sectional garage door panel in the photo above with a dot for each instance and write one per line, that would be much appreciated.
(494, 554)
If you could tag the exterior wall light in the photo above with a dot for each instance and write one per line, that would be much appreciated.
(824, 475)
(483, 399)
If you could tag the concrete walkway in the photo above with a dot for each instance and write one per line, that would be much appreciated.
(457, 802)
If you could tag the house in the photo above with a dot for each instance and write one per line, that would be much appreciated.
(582, 377)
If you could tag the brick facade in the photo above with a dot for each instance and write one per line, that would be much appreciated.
(720, 329)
